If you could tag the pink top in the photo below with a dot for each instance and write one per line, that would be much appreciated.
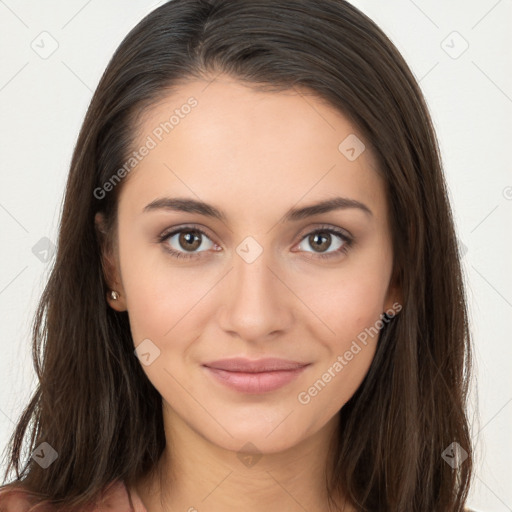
(115, 500)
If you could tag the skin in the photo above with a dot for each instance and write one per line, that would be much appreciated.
(253, 155)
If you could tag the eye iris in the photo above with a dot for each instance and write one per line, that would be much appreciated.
(189, 240)
(324, 244)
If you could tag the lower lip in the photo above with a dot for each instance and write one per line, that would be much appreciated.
(261, 382)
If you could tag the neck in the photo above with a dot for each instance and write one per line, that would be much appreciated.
(194, 474)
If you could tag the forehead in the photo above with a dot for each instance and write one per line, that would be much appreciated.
(224, 142)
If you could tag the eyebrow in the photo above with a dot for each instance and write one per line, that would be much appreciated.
(293, 214)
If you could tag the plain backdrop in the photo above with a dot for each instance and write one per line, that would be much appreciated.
(458, 50)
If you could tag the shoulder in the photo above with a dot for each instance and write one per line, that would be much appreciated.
(15, 499)
(114, 498)
(117, 498)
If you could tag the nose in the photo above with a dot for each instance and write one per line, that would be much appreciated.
(257, 303)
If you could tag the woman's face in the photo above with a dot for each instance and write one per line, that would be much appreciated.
(262, 281)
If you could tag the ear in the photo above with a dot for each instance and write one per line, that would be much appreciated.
(394, 298)
(110, 265)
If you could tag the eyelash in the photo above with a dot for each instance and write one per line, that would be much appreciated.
(348, 241)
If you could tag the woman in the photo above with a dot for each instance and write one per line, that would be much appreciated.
(257, 300)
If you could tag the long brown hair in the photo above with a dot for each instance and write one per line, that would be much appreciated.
(94, 404)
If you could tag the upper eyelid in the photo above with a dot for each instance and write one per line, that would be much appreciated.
(174, 231)
(325, 227)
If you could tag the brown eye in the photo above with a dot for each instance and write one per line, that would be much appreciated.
(189, 240)
(323, 239)
(320, 241)
(185, 242)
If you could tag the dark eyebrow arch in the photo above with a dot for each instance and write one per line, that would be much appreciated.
(294, 214)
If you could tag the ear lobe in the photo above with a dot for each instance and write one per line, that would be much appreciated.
(109, 264)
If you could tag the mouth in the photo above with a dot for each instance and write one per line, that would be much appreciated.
(269, 364)
(255, 376)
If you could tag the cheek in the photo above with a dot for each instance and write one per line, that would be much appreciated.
(356, 307)
(353, 314)
(350, 308)
(159, 296)
(328, 390)
(343, 303)
(163, 308)
(170, 324)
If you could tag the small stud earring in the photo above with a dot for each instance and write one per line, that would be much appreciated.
(114, 295)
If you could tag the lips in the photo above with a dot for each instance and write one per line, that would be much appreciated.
(254, 376)
(239, 364)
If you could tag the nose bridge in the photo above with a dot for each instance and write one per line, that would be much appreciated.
(257, 301)
(252, 276)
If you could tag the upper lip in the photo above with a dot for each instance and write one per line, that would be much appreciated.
(240, 364)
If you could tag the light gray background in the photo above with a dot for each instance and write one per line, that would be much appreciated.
(43, 102)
